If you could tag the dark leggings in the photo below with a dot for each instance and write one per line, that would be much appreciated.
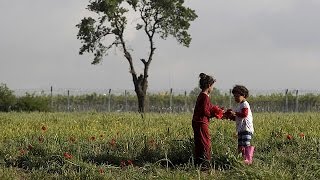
(244, 138)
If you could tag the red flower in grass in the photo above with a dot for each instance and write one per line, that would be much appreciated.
(72, 139)
(93, 138)
(129, 162)
(23, 152)
(67, 155)
(125, 163)
(152, 144)
(112, 142)
(43, 128)
(301, 135)
(41, 139)
(289, 137)
(30, 147)
(101, 171)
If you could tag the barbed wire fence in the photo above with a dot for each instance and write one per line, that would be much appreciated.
(171, 100)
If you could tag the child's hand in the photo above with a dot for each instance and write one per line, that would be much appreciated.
(229, 114)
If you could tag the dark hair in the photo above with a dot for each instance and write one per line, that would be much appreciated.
(242, 90)
(205, 81)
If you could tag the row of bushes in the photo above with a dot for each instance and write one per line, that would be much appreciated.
(154, 102)
(28, 102)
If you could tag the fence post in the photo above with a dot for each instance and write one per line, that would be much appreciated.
(230, 98)
(171, 100)
(104, 107)
(51, 98)
(286, 105)
(297, 102)
(126, 100)
(109, 101)
(68, 107)
(185, 101)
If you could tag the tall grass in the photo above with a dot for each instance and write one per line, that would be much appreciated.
(124, 146)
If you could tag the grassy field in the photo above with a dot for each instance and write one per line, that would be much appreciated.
(124, 146)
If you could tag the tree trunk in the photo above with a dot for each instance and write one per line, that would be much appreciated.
(141, 85)
(141, 102)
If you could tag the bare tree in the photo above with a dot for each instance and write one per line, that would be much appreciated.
(162, 17)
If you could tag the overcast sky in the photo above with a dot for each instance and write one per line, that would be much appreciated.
(263, 44)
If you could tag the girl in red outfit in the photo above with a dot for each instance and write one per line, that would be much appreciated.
(203, 111)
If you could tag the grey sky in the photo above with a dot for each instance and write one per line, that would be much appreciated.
(263, 44)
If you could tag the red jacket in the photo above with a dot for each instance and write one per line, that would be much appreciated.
(205, 110)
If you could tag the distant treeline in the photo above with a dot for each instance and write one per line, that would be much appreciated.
(156, 102)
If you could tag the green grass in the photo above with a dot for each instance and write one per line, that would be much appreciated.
(124, 146)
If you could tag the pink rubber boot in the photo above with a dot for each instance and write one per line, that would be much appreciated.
(241, 149)
(248, 154)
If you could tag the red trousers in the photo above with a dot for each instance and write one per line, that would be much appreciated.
(202, 141)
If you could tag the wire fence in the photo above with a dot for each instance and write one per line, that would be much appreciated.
(108, 100)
